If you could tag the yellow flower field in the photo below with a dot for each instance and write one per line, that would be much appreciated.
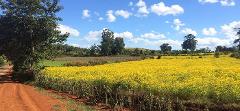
(212, 79)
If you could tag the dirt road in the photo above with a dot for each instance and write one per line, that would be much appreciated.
(15, 96)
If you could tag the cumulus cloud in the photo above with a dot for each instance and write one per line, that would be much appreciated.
(126, 34)
(86, 13)
(188, 31)
(75, 45)
(125, 14)
(173, 43)
(161, 9)
(67, 29)
(209, 31)
(153, 36)
(100, 18)
(222, 2)
(142, 8)
(130, 4)
(213, 41)
(111, 17)
(177, 24)
(93, 35)
(229, 29)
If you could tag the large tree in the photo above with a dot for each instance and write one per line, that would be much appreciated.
(237, 41)
(118, 45)
(28, 30)
(165, 48)
(107, 42)
(189, 43)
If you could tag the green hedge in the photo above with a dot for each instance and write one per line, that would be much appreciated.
(2, 60)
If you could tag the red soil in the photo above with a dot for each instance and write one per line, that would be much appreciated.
(15, 96)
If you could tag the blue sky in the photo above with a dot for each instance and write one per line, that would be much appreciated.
(149, 23)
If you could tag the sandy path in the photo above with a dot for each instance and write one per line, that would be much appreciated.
(15, 96)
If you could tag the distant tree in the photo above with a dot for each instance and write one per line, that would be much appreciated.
(219, 48)
(136, 52)
(107, 42)
(237, 41)
(165, 48)
(28, 31)
(118, 45)
(190, 42)
(203, 50)
(94, 50)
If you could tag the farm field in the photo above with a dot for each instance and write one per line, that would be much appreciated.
(153, 84)
(86, 61)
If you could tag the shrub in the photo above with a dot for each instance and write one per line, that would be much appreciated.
(159, 56)
(236, 55)
(2, 60)
(216, 54)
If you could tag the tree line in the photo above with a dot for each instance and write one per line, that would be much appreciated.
(28, 35)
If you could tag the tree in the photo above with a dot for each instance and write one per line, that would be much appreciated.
(165, 48)
(118, 45)
(28, 31)
(107, 42)
(94, 50)
(237, 41)
(190, 42)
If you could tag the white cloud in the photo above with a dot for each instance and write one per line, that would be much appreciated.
(213, 42)
(100, 18)
(161, 10)
(111, 17)
(177, 24)
(222, 2)
(93, 35)
(208, 1)
(66, 29)
(173, 43)
(75, 45)
(142, 8)
(126, 34)
(188, 31)
(86, 14)
(130, 4)
(209, 31)
(227, 2)
(123, 13)
(153, 36)
(229, 29)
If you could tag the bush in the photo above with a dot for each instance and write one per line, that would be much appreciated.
(236, 55)
(89, 63)
(159, 56)
(2, 60)
(216, 54)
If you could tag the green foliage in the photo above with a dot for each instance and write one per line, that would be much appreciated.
(107, 43)
(118, 46)
(59, 50)
(2, 60)
(216, 54)
(237, 41)
(52, 63)
(165, 48)
(159, 56)
(94, 50)
(28, 31)
(190, 42)
(236, 55)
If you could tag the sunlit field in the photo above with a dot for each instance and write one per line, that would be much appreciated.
(151, 83)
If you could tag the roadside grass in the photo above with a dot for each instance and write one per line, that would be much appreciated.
(52, 63)
(70, 104)
(86, 61)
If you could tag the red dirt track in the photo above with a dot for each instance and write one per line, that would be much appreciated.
(15, 96)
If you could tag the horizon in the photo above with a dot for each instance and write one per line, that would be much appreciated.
(148, 24)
